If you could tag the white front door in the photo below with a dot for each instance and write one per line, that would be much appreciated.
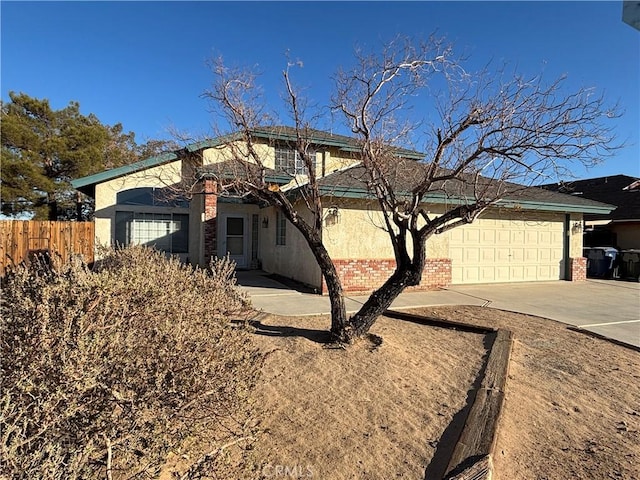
(234, 239)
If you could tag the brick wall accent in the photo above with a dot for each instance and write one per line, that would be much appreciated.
(209, 190)
(364, 275)
(577, 269)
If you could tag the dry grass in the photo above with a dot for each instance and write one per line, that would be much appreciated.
(106, 372)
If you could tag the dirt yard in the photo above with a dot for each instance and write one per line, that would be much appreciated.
(392, 411)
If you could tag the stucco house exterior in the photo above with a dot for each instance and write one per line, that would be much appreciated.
(534, 236)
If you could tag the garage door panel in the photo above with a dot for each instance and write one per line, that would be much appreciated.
(505, 250)
(488, 254)
(531, 272)
(532, 237)
(472, 255)
(502, 274)
(531, 255)
(487, 274)
(517, 255)
(502, 255)
(472, 274)
(517, 237)
(544, 271)
(503, 237)
(488, 236)
(517, 273)
(472, 235)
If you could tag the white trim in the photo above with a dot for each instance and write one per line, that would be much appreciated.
(241, 261)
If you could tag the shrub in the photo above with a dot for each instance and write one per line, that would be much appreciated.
(106, 371)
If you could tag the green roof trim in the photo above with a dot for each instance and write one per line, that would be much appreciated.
(107, 175)
(286, 134)
(441, 198)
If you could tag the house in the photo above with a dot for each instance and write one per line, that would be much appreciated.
(619, 228)
(535, 235)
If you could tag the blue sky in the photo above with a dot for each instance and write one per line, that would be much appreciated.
(144, 63)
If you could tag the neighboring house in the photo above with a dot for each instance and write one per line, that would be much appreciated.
(619, 228)
(535, 235)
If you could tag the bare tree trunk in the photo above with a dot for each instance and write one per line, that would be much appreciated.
(334, 287)
(379, 301)
(408, 273)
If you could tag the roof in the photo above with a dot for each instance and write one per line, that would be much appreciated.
(87, 184)
(272, 133)
(352, 183)
(622, 191)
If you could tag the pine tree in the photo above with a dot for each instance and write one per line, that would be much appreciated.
(43, 149)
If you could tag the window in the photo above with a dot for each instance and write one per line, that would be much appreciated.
(288, 160)
(254, 237)
(281, 229)
(168, 232)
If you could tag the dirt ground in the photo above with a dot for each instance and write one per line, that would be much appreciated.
(572, 406)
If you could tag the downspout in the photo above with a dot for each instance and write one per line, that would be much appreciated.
(566, 243)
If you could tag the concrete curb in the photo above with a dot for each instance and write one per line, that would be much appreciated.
(603, 337)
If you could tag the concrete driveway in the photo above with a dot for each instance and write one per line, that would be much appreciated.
(606, 307)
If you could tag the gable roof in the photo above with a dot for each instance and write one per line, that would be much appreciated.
(270, 133)
(351, 182)
(622, 191)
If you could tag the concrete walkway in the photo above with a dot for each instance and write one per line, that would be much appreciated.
(606, 307)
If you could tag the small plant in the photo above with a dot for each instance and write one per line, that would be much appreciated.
(106, 371)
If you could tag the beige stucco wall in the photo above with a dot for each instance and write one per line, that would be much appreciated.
(237, 149)
(106, 194)
(576, 235)
(293, 260)
(332, 158)
(358, 232)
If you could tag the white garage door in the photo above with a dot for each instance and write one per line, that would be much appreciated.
(520, 248)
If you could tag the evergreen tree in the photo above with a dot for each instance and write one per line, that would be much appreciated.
(43, 149)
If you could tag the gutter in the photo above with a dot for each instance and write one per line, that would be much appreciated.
(440, 198)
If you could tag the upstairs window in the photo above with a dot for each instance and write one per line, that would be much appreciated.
(289, 161)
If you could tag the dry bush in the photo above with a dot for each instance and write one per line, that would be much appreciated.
(106, 371)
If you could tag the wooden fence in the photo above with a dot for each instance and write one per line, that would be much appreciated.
(20, 240)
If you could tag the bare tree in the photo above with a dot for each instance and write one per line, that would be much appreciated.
(236, 97)
(494, 135)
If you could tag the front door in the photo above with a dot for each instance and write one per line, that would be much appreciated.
(234, 239)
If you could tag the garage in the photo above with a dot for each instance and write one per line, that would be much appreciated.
(508, 248)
